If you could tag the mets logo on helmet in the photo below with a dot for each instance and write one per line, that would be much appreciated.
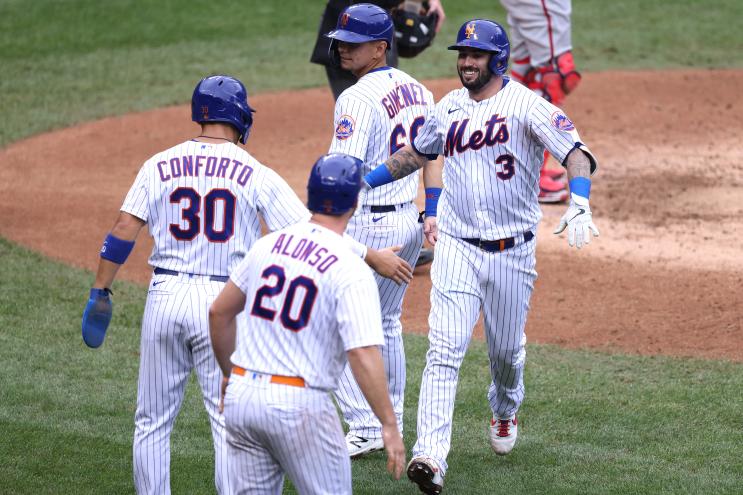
(562, 122)
(345, 127)
(344, 19)
(469, 31)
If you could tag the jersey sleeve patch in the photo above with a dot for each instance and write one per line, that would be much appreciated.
(561, 122)
(345, 127)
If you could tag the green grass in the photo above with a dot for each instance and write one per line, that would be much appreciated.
(591, 422)
(66, 62)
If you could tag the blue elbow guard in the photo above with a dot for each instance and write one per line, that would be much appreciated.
(379, 176)
(432, 200)
(96, 317)
(116, 250)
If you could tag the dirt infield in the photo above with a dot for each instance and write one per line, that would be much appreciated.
(665, 277)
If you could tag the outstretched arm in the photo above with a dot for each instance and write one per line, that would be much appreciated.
(403, 163)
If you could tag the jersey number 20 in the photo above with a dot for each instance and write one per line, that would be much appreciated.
(190, 214)
(288, 320)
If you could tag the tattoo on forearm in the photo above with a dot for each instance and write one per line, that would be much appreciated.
(404, 163)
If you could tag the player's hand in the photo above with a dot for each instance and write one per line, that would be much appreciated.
(431, 230)
(96, 317)
(579, 222)
(222, 392)
(389, 265)
(395, 450)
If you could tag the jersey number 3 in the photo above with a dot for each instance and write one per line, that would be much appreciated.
(291, 317)
(215, 200)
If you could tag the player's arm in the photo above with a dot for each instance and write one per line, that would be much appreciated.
(388, 264)
(222, 327)
(116, 248)
(428, 145)
(114, 252)
(404, 162)
(368, 370)
(434, 183)
(578, 219)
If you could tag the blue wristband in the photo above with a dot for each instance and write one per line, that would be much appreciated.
(116, 250)
(432, 200)
(379, 176)
(580, 186)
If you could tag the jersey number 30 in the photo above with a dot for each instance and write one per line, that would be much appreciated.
(215, 199)
(291, 317)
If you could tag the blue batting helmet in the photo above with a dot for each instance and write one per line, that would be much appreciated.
(489, 36)
(222, 99)
(361, 23)
(334, 184)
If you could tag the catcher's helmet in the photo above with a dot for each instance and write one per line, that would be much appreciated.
(222, 99)
(334, 184)
(489, 36)
(413, 32)
(361, 23)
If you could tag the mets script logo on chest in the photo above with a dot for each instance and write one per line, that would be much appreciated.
(492, 134)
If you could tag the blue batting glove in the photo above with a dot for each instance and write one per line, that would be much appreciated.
(96, 317)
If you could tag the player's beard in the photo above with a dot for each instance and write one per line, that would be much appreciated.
(483, 78)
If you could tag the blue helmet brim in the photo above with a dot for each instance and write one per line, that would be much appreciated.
(478, 45)
(349, 36)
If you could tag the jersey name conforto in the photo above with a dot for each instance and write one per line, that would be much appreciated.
(208, 166)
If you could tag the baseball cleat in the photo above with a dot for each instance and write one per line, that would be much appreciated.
(424, 472)
(359, 446)
(503, 433)
(425, 257)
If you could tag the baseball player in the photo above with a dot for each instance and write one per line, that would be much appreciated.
(543, 61)
(492, 134)
(373, 118)
(201, 201)
(340, 78)
(309, 305)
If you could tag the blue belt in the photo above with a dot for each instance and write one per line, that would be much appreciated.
(500, 244)
(213, 278)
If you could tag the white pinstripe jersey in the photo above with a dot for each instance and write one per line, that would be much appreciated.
(309, 298)
(201, 203)
(493, 150)
(374, 118)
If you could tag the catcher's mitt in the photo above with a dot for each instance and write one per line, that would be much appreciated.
(414, 31)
